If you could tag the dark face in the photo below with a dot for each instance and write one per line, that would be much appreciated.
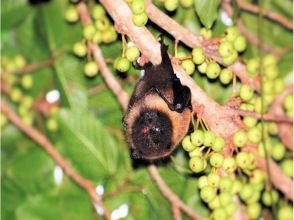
(152, 132)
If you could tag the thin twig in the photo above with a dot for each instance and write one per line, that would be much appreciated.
(42, 140)
(266, 13)
(268, 117)
(33, 67)
(169, 194)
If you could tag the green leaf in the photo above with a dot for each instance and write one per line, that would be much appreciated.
(58, 33)
(87, 144)
(207, 10)
(67, 203)
(71, 81)
(14, 13)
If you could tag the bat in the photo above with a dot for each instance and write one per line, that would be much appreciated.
(159, 111)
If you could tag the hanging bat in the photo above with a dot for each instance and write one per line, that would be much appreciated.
(159, 111)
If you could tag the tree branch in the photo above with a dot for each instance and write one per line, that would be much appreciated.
(266, 13)
(170, 195)
(42, 140)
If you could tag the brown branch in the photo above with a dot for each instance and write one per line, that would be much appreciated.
(255, 40)
(96, 89)
(33, 67)
(269, 117)
(266, 13)
(169, 194)
(42, 140)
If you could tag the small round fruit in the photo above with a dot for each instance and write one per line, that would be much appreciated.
(278, 151)
(225, 198)
(98, 12)
(225, 49)
(252, 66)
(202, 181)
(257, 176)
(138, 6)
(140, 19)
(240, 139)
(249, 121)
(3, 120)
(202, 68)
(19, 61)
(197, 137)
(27, 101)
(219, 144)
(246, 192)
(197, 164)
(132, 53)
(213, 180)
(26, 81)
(171, 5)
(226, 76)
(102, 24)
(215, 203)
(269, 59)
(288, 102)
(188, 66)
(254, 135)
(240, 43)
(225, 184)
(232, 33)
(209, 138)
(246, 92)
(16, 95)
(207, 194)
(198, 56)
(52, 125)
(242, 160)
(80, 49)
(271, 71)
(109, 35)
(216, 160)
(187, 3)
(270, 197)
(253, 210)
(197, 152)
(206, 33)
(279, 86)
(287, 167)
(91, 69)
(187, 145)
(97, 38)
(230, 59)
(229, 165)
(89, 31)
(213, 70)
(219, 213)
(123, 65)
(71, 14)
(237, 186)
(285, 213)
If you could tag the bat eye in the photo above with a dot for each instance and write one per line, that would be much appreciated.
(178, 106)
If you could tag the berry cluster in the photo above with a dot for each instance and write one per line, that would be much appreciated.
(123, 63)
(138, 7)
(16, 86)
(100, 31)
(171, 5)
